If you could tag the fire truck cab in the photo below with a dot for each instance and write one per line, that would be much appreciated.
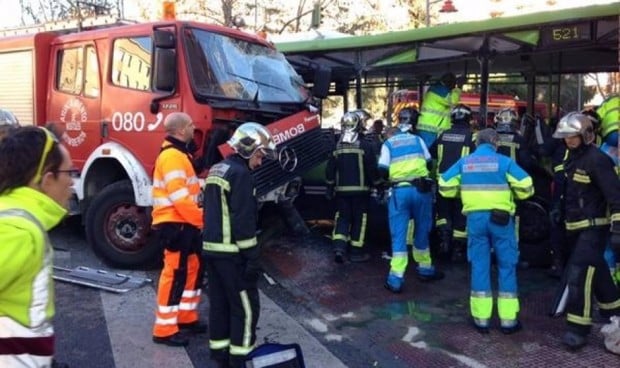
(107, 89)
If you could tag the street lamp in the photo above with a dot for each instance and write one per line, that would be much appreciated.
(447, 7)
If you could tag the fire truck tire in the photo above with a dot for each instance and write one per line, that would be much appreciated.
(118, 230)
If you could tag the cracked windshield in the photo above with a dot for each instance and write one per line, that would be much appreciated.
(225, 67)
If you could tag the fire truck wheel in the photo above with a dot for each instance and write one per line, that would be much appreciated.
(118, 230)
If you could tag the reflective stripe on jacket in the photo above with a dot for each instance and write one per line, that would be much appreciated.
(351, 168)
(609, 112)
(436, 107)
(175, 186)
(26, 285)
(592, 191)
(232, 214)
(486, 180)
(405, 156)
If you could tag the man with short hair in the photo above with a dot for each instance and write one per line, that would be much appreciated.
(177, 220)
(487, 183)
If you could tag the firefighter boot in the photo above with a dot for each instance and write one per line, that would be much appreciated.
(573, 341)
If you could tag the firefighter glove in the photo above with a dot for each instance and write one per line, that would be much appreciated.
(555, 216)
(252, 270)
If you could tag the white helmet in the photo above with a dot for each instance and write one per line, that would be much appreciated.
(506, 121)
(252, 137)
(573, 124)
(351, 126)
(8, 118)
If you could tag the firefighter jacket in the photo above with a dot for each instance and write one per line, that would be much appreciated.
(232, 217)
(486, 180)
(609, 112)
(451, 145)
(405, 156)
(26, 286)
(352, 168)
(592, 190)
(436, 107)
(175, 186)
(514, 146)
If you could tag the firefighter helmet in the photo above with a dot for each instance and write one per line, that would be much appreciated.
(506, 121)
(461, 114)
(363, 115)
(8, 118)
(573, 124)
(351, 126)
(250, 138)
(407, 119)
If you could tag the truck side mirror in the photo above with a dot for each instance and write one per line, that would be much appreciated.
(322, 80)
(164, 39)
(165, 76)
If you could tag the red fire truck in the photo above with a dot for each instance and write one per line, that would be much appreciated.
(408, 98)
(108, 88)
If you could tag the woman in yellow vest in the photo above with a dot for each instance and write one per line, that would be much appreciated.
(34, 195)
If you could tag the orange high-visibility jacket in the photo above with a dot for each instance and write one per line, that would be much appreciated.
(175, 186)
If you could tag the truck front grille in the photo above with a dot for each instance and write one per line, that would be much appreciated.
(311, 148)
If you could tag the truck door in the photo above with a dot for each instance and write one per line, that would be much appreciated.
(127, 97)
(75, 98)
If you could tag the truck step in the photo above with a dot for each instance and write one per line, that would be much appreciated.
(99, 279)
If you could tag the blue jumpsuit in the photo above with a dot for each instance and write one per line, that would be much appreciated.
(405, 157)
(486, 181)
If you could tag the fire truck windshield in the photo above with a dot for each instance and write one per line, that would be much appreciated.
(232, 68)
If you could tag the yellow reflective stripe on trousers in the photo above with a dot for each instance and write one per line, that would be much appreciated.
(398, 263)
(219, 344)
(423, 257)
(358, 243)
(247, 346)
(507, 308)
(481, 305)
(610, 306)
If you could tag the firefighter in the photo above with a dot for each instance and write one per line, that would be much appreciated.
(609, 113)
(511, 143)
(231, 246)
(592, 189)
(487, 182)
(8, 122)
(34, 197)
(437, 104)
(449, 147)
(404, 162)
(350, 171)
(177, 222)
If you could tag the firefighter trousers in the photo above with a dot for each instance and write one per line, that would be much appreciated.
(350, 221)
(449, 214)
(588, 276)
(234, 308)
(180, 282)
